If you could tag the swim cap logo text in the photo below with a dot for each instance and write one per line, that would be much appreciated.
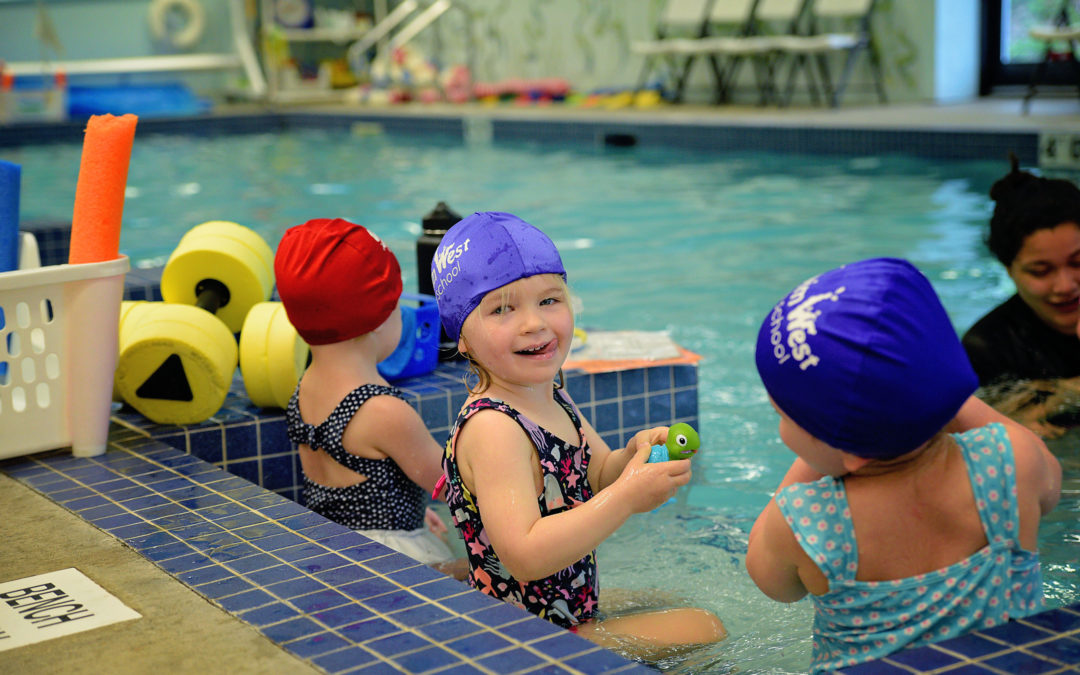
(447, 259)
(801, 324)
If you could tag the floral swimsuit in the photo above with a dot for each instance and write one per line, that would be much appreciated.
(569, 596)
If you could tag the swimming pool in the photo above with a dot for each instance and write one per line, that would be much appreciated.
(697, 243)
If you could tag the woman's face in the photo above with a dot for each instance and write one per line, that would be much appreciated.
(1046, 272)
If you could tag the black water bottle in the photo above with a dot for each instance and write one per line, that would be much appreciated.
(435, 225)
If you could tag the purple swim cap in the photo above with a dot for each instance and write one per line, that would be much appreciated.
(482, 252)
(864, 358)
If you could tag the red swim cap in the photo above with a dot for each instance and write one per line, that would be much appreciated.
(336, 280)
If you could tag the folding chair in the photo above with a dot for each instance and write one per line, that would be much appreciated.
(826, 35)
(680, 21)
(766, 19)
(1063, 30)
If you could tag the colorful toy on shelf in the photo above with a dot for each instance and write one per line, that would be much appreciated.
(682, 443)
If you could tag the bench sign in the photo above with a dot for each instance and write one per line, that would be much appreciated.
(58, 603)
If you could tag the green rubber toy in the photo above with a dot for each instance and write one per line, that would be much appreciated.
(682, 443)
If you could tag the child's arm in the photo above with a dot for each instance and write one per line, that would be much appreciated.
(773, 557)
(606, 465)
(395, 429)
(499, 457)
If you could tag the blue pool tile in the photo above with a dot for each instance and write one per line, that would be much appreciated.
(245, 599)
(280, 541)
(659, 378)
(74, 494)
(633, 412)
(278, 471)
(291, 629)
(598, 661)
(659, 409)
(606, 417)
(320, 563)
(121, 520)
(924, 658)
(322, 531)
(339, 576)
(466, 669)
(161, 553)
(367, 630)
(1019, 663)
(632, 382)
(241, 441)
(1014, 633)
(274, 612)
(122, 495)
(184, 563)
(685, 376)
(563, 645)
(219, 589)
(232, 552)
(420, 615)
(343, 539)
(241, 519)
(1057, 620)
(295, 520)
(144, 502)
(396, 643)
(343, 615)
(319, 600)
(295, 587)
(248, 469)
(97, 513)
(606, 386)
(160, 512)
(257, 532)
(204, 575)
(1064, 650)
(877, 668)
(579, 387)
(417, 574)
(444, 631)
(343, 659)
(511, 660)
(207, 445)
(972, 645)
(367, 588)
(377, 668)
(392, 562)
(501, 614)
(251, 563)
(686, 404)
(272, 575)
(316, 644)
(392, 602)
(479, 644)
(530, 629)
(470, 602)
(158, 538)
(427, 659)
(129, 532)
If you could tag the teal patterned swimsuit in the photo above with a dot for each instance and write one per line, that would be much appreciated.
(857, 621)
(569, 596)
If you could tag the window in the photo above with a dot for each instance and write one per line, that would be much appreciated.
(1010, 55)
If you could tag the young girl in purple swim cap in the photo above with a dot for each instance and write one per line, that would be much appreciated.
(531, 485)
(911, 514)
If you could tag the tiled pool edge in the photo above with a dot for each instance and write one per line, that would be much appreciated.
(321, 591)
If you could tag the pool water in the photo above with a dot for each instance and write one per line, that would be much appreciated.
(701, 245)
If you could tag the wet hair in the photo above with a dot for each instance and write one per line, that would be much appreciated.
(1024, 204)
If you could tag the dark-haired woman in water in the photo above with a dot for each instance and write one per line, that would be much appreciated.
(1031, 338)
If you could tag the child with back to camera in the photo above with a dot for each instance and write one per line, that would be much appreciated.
(367, 457)
(532, 487)
(911, 514)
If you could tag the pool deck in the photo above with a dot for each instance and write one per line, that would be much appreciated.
(185, 629)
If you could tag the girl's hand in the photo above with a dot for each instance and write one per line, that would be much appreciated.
(648, 486)
(435, 523)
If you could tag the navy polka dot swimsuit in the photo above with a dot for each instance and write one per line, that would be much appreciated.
(387, 500)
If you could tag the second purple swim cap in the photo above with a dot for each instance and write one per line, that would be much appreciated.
(864, 358)
(482, 252)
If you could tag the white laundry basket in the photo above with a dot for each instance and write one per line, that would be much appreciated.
(58, 351)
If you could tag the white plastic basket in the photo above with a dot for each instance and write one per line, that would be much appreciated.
(58, 350)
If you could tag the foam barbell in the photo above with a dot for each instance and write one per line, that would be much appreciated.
(178, 357)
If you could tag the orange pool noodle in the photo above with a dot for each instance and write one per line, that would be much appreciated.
(99, 193)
